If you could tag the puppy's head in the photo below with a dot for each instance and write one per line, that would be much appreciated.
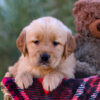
(45, 42)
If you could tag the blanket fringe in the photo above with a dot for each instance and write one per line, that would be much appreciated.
(7, 96)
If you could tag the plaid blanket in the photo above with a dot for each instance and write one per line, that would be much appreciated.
(72, 89)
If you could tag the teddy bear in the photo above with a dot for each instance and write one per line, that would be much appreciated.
(87, 22)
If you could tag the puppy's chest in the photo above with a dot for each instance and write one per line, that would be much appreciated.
(41, 72)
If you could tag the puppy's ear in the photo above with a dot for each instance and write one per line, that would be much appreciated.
(70, 45)
(21, 42)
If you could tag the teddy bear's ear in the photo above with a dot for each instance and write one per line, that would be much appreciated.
(69, 46)
(94, 28)
(21, 42)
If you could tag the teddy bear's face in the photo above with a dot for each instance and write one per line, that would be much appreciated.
(94, 28)
(87, 17)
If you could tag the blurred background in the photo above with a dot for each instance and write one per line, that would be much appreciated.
(16, 14)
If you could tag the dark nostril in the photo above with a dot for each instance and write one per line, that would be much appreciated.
(45, 57)
(98, 26)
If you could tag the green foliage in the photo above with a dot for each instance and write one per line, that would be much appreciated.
(16, 14)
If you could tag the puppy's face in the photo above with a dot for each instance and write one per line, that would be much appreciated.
(45, 42)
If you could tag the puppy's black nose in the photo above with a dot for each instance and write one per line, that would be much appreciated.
(45, 57)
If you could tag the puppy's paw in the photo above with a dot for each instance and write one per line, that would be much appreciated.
(8, 74)
(51, 81)
(24, 80)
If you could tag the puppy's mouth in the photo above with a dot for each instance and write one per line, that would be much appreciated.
(44, 64)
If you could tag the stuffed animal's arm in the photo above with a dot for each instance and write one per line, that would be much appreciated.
(85, 68)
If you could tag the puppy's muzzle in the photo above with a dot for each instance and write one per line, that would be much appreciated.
(44, 58)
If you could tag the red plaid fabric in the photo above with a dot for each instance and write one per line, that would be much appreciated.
(72, 89)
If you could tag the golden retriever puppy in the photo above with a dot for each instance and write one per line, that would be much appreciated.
(47, 49)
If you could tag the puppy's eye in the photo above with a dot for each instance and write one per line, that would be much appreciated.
(55, 43)
(36, 42)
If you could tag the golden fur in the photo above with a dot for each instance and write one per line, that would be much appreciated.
(62, 61)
